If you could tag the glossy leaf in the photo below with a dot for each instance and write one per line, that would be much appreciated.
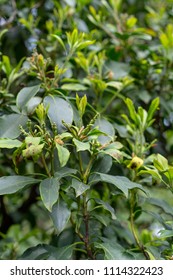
(153, 107)
(25, 95)
(74, 87)
(121, 182)
(79, 187)
(12, 184)
(60, 215)
(106, 127)
(65, 172)
(81, 146)
(113, 251)
(10, 125)
(49, 191)
(9, 143)
(59, 110)
(48, 252)
(63, 154)
(106, 206)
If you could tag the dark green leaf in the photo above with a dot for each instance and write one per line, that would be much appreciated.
(60, 215)
(47, 252)
(59, 110)
(12, 184)
(113, 251)
(49, 191)
(121, 182)
(65, 172)
(106, 206)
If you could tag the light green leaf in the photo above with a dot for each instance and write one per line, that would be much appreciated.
(63, 154)
(12, 184)
(114, 84)
(10, 125)
(165, 233)
(79, 187)
(132, 111)
(6, 65)
(81, 146)
(153, 107)
(74, 87)
(107, 207)
(60, 215)
(59, 40)
(59, 110)
(49, 191)
(9, 143)
(160, 163)
(154, 173)
(25, 95)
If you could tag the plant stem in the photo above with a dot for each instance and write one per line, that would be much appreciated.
(132, 224)
(80, 164)
(45, 165)
(86, 221)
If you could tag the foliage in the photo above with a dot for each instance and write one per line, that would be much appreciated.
(86, 129)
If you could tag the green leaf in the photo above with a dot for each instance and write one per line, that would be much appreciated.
(12, 184)
(165, 233)
(154, 173)
(114, 84)
(102, 164)
(79, 187)
(107, 207)
(160, 163)
(132, 111)
(60, 215)
(84, 44)
(59, 110)
(74, 87)
(102, 218)
(10, 125)
(113, 251)
(6, 65)
(9, 143)
(48, 252)
(64, 172)
(121, 182)
(25, 95)
(81, 146)
(59, 40)
(106, 127)
(153, 107)
(161, 203)
(113, 150)
(63, 154)
(49, 191)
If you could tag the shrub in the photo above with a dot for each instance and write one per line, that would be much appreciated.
(86, 130)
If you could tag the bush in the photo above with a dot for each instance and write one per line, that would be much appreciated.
(86, 130)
